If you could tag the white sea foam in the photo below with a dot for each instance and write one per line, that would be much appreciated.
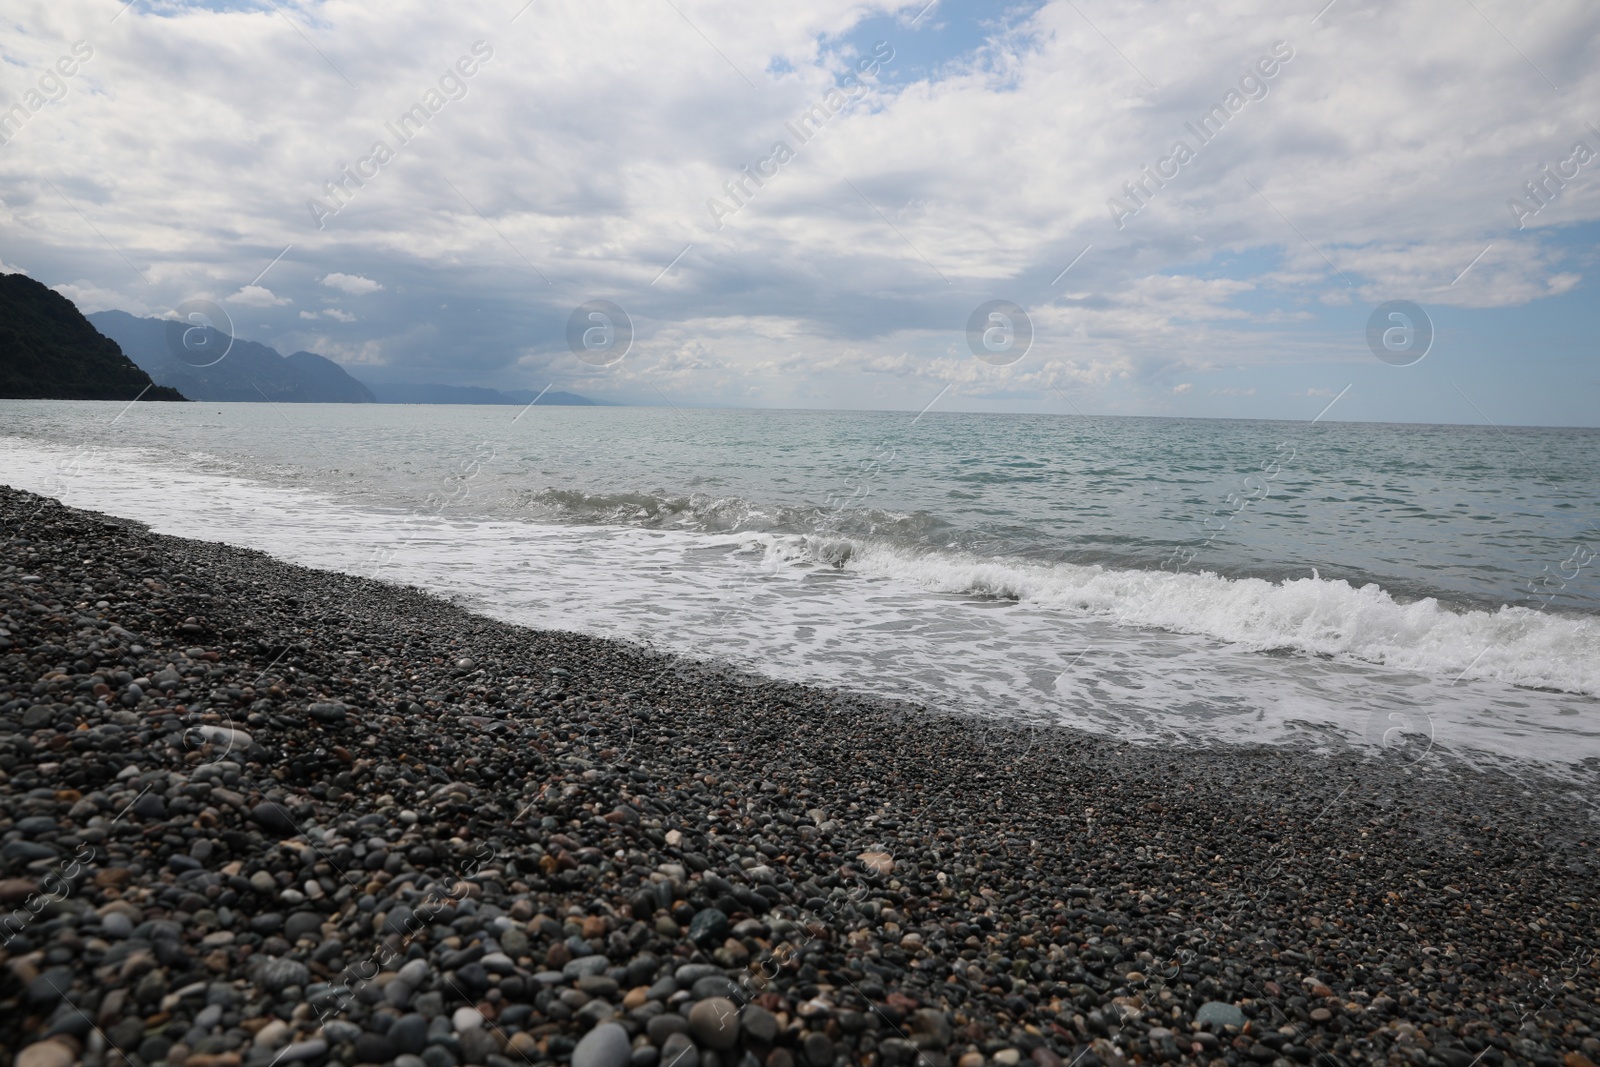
(1312, 615)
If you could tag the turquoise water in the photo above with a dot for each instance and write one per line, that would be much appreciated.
(989, 561)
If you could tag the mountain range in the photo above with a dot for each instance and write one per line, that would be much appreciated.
(50, 351)
(250, 371)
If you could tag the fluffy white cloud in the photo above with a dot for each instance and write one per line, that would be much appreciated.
(258, 296)
(354, 284)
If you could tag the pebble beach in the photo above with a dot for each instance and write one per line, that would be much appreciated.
(254, 814)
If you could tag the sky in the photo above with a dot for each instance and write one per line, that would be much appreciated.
(922, 168)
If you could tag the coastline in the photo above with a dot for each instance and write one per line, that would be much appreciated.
(946, 888)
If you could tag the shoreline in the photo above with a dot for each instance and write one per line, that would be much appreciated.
(856, 881)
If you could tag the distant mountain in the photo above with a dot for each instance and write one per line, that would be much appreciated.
(250, 372)
(49, 351)
(331, 378)
(408, 393)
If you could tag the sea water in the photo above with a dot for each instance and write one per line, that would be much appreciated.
(1192, 581)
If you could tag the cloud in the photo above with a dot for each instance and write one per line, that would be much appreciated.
(91, 298)
(1361, 175)
(1182, 387)
(354, 284)
(257, 296)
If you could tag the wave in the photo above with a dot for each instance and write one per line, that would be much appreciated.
(1311, 615)
(705, 513)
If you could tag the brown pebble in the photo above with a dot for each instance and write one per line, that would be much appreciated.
(219, 1059)
(16, 890)
(715, 1023)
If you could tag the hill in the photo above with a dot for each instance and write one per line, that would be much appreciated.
(49, 351)
(250, 372)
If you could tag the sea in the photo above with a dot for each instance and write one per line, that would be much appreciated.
(1404, 590)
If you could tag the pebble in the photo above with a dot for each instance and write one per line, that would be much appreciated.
(591, 843)
(678, 1050)
(314, 1049)
(713, 985)
(302, 924)
(409, 1033)
(661, 1027)
(46, 1054)
(758, 1023)
(689, 973)
(818, 1049)
(584, 966)
(275, 974)
(708, 927)
(275, 819)
(715, 1023)
(464, 1019)
(274, 1035)
(370, 1047)
(1217, 1014)
(606, 1045)
(335, 1032)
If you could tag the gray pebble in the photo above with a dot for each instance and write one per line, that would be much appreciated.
(758, 1023)
(690, 973)
(337, 1032)
(664, 1026)
(314, 1049)
(584, 965)
(607, 1045)
(678, 1051)
(409, 1033)
(1218, 1014)
(713, 985)
(303, 924)
(274, 974)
